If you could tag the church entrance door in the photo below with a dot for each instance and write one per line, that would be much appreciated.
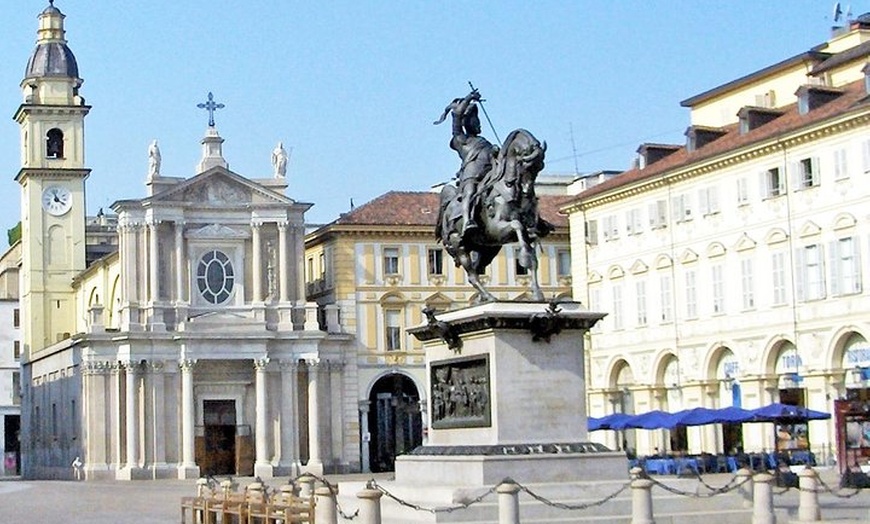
(395, 420)
(219, 434)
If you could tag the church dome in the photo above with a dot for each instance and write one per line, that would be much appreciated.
(52, 57)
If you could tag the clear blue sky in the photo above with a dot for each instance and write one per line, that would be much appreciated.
(353, 86)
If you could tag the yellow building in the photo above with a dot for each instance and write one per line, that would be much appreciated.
(373, 271)
(733, 267)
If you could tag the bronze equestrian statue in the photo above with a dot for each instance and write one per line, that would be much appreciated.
(495, 202)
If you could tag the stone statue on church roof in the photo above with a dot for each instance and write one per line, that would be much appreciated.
(154, 160)
(279, 161)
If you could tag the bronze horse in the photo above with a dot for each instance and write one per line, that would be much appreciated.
(507, 212)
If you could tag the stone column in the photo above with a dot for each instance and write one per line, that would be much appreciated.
(369, 506)
(289, 418)
(365, 436)
(808, 509)
(283, 276)
(299, 257)
(508, 503)
(180, 295)
(762, 507)
(325, 511)
(315, 462)
(188, 468)
(131, 420)
(262, 467)
(257, 258)
(153, 259)
(155, 419)
(641, 498)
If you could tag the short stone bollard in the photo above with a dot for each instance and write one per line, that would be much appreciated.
(201, 485)
(744, 480)
(369, 506)
(325, 510)
(508, 503)
(762, 499)
(641, 498)
(306, 486)
(808, 510)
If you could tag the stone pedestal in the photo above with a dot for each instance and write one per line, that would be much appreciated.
(506, 399)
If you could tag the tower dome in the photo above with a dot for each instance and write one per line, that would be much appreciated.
(52, 57)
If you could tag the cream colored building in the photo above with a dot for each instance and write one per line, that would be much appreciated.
(171, 338)
(380, 265)
(10, 362)
(733, 267)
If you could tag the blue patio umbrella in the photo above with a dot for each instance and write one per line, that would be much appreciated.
(650, 420)
(777, 412)
(606, 422)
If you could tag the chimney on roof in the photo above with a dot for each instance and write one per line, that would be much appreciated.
(814, 96)
(752, 117)
(699, 136)
(649, 154)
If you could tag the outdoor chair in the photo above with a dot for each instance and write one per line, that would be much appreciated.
(287, 507)
(721, 464)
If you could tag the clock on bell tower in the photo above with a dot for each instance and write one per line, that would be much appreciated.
(52, 179)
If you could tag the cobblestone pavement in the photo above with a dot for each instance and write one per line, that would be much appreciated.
(153, 502)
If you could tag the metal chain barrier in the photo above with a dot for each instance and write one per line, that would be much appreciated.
(839, 491)
(333, 490)
(562, 505)
(373, 484)
(730, 486)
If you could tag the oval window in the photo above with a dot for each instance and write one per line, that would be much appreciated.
(215, 277)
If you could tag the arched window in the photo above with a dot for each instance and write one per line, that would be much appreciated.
(54, 143)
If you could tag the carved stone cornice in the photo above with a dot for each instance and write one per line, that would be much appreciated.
(98, 367)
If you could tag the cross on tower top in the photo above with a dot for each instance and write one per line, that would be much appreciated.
(210, 106)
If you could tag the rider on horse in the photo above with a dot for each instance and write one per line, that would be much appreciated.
(475, 151)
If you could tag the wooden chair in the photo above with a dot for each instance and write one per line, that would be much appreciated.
(197, 506)
(287, 507)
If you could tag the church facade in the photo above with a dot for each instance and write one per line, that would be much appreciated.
(171, 339)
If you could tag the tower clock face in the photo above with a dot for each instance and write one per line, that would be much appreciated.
(56, 200)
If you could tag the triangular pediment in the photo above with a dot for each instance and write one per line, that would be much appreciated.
(639, 267)
(219, 186)
(217, 231)
(688, 257)
(744, 243)
(810, 229)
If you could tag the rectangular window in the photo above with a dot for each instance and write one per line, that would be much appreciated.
(806, 173)
(742, 191)
(633, 222)
(16, 318)
(611, 228)
(393, 326)
(691, 295)
(865, 155)
(309, 270)
(681, 207)
(16, 350)
(667, 297)
(658, 214)
(748, 284)
(810, 281)
(845, 266)
(16, 388)
(640, 290)
(778, 273)
(708, 201)
(519, 270)
(841, 168)
(617, 306)
(322, 261)
(772, 183)
(391, 261)
(563, 263)
(592, 232)
(718, 289)
(435, 263)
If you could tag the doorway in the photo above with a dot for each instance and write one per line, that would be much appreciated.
(219, 438)
(395, 419)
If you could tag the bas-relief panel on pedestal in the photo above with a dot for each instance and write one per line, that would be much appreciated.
(461, 393)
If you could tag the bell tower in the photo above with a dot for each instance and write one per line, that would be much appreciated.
(52, 179)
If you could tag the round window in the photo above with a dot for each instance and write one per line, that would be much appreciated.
(214, 277)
